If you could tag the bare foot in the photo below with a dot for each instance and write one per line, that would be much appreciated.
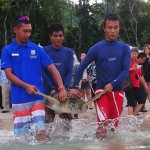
(101, 133)
(41, 135)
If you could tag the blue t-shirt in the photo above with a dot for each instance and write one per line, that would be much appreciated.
(112, 60)
(26, 63)
(63, 61)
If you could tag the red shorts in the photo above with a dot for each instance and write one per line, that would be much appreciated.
(109, 106)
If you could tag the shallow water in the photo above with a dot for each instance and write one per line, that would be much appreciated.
(132, 133)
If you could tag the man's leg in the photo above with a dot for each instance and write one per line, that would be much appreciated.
(102, 109)
(5, 97)
(22, 118)
(137, 109)
(49, 115)
(38, 119)
(116, 104)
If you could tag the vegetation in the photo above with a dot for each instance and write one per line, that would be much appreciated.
(83, 22)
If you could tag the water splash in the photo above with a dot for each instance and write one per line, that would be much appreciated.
(63, 132)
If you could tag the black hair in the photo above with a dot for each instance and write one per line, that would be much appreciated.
(135, 49)
(56, 27)
(112, 17)
(18, 22)
(141, 55)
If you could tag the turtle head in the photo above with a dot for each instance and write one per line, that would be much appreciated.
(73, 104)
(47, 103)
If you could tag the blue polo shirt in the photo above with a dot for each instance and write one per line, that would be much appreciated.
(26, 63)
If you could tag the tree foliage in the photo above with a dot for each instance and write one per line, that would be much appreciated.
(82, 22)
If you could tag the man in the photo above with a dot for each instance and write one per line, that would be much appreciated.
(112, 60)
(5, 92)
(63, 60)
(22, 61)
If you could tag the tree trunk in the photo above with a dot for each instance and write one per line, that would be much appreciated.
(133, 21)
(80, 29)
(125, 29)
(5, 28)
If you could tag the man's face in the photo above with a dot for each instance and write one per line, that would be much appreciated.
(82, 56)
(147, 51)
(23, 33)
(57, 39)
(141, 60)
(111, 30)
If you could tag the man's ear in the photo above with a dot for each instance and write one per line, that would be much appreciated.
(50, 36)
(15, 29)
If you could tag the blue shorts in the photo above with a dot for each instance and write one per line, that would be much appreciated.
(26, 114)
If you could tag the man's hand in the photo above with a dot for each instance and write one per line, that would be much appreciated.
(62, 96)
(52, 92)
(75, 93)
(31, 89)
(108, 88)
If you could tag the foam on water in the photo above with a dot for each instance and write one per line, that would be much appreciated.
(83, 135)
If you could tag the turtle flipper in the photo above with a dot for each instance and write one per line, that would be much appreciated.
(97, 96)
(50, 99)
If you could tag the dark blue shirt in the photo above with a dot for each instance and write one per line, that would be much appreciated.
(63, 60)
(112, 59)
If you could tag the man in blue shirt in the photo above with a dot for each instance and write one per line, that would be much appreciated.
(112, 60)
(5, 92)
(63, 60)
(22, 61)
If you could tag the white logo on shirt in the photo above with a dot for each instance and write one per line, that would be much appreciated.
(111, 59)
(33, 54)
(14, 54)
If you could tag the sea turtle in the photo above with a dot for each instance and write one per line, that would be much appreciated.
(70, 106)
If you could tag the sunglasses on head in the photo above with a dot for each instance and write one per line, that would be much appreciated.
(22, 18)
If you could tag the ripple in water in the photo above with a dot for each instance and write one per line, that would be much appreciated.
(61, 132)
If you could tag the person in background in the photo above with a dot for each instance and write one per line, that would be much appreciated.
(112, 60)
(1, 106)
(63, 60)
(75, 67)
(92, 72)
(5, 93)
(84, 84)
(146, 70)
(76, 63)
(135, 95)
(22, 61)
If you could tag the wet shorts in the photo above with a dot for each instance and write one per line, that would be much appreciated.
(26, 114)
(109, 106)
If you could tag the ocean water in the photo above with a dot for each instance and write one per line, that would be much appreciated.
(132, 133)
